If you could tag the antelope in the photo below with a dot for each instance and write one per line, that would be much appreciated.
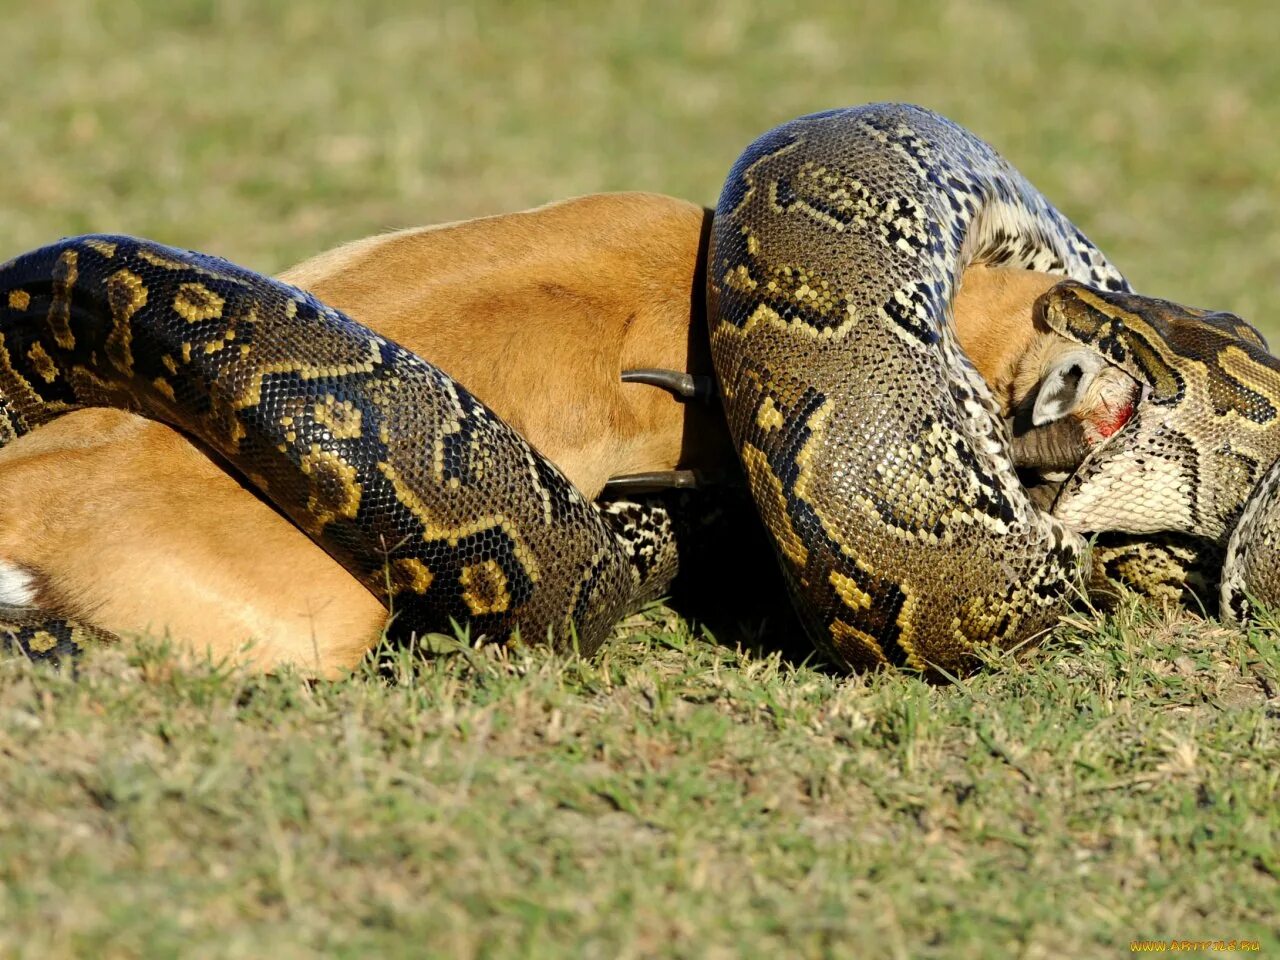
(562, 319)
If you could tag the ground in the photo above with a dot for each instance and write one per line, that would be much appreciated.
(676, 796)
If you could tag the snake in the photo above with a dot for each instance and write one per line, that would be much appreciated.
(424, 494)
(873, 450)
(876, 457)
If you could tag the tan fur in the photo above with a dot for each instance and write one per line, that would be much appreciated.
(1106, 402)
(1014, 349)
(127, 524)
(992, 315)
(538, 314)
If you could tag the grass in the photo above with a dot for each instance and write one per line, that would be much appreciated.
(675, 796)
(672, 797)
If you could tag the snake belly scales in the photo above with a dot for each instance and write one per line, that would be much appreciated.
(873, 450)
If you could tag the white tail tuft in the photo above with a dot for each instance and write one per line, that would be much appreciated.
(17, 586)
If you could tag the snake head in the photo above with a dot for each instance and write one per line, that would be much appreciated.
(1206, 427)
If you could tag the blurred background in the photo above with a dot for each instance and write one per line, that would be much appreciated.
(266, 131)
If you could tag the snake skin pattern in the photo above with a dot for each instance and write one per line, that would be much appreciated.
(874, 451)
(1200, 455)
(1208, 425)
(1251, 572)
(425, 495)
(872, 448)
(36, 635)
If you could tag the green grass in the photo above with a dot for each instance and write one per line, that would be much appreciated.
(673, 796)
(670, 797)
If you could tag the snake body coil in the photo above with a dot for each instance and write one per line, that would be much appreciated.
(871, 446)
(873, 449)
(424, 494)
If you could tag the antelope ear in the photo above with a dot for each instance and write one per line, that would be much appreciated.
(1064, 385)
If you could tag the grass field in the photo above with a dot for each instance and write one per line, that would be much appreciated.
(675, 796)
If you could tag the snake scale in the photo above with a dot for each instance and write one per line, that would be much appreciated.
(873, 450)
(425, 495)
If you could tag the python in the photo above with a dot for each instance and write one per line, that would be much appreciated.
(124, 522)
(836, 265)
